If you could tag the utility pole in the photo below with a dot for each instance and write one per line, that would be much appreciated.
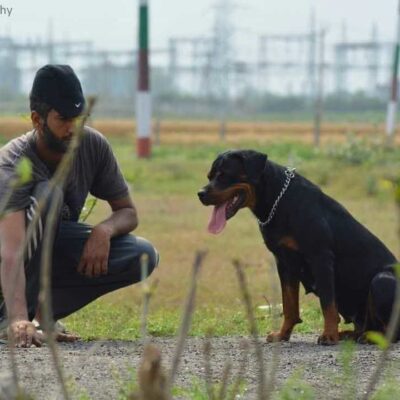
(320, 90)
(341, 62)
(222, 57)
(312, 58)
(50, 42)
(392, 106)
(143, 97)
(374, 61)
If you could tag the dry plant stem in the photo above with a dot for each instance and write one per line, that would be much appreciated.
(86, 216)
(57, 180)
(6, 198)
(392, 330)
(148, 291)
(47, 246)
(45, 292)
(240, 376)
(13, 364)
(398, 225)
(274, 368)
(224, 382)
(207, 368)
(253, 329)
(275, 346)
(151, 376)
(144, 267)
(59, 175)
(186, 318)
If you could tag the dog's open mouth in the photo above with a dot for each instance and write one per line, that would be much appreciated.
(222, 212)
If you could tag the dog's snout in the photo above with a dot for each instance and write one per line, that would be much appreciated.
(201, 193)
(204, 196)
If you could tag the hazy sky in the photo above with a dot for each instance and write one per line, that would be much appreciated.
(113, 24)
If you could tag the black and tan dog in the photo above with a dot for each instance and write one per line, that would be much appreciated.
(314, 239)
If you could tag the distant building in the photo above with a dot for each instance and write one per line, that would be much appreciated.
(108, 80)
(10, 74)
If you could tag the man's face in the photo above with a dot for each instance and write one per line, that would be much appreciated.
(57, 131)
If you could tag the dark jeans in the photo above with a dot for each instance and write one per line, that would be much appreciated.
(71, 290)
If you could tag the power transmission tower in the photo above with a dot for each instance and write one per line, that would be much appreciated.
(363, 57)
(222, 58)
(289, 56)
(222, 48)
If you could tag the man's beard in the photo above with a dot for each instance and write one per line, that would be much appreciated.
(53, 142)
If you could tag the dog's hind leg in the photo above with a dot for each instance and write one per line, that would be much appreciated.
(380, 302)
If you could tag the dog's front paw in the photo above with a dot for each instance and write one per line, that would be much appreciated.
(277, 337)
(328, 339)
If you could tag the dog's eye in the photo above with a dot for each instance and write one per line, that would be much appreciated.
(222, 176)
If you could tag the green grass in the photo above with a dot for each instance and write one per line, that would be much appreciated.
(198, 391)
(388, 390)
(217, 321)
(177, 169)
(296, 388)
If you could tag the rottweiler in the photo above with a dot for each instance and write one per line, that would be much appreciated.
(315, 241)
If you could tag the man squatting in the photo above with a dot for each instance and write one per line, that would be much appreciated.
(87, 261)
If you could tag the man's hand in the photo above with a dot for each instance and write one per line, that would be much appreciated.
(94, 260)
(23, 333)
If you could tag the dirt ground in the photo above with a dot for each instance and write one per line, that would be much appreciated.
(100, 368)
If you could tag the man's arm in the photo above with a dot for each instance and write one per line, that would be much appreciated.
(94, 260)
(123, 218)
(12, 236)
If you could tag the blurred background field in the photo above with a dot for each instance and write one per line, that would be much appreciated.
(273, 77)
(170, 131)
(211, 60)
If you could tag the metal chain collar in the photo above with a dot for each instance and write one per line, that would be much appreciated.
(290, 173)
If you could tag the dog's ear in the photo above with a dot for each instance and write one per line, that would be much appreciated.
(254, 164)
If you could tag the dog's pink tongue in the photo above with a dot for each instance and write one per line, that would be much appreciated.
(218, 219)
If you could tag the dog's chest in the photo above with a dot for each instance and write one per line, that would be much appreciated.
(286, 248)
(278, 239)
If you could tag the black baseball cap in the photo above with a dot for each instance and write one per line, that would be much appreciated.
(59, 87)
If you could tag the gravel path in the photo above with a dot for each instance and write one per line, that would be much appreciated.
(99, 367)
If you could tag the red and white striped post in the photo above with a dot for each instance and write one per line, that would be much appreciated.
(392, 106)
(143, 98)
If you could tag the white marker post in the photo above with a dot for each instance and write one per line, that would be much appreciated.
(143, 96)
(392, 106)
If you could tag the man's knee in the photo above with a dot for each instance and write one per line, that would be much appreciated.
(130, 255)
(146, 249)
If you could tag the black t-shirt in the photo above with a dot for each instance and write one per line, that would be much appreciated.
(94, 170)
